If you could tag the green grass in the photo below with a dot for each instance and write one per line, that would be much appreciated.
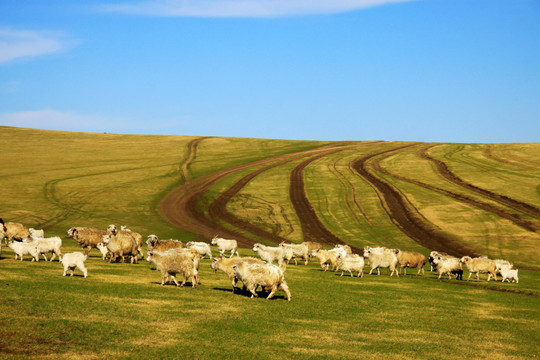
(121, 311)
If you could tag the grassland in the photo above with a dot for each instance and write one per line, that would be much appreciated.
(56, 180)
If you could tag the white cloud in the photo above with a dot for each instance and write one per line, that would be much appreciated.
(61, 120)
(15, 44)
(243, 8)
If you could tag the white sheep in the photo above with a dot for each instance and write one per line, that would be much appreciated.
(24, 248)
(269, 276)
(350, 263)
(508, 273)
(201, 247)
(226, 245)
(226, 265)
(36, 233)
(47, 245)
(448, 265)
(73, 260)
(269, 253)
(294, 251)
(382, 259)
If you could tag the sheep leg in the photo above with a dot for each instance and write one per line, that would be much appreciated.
(252, 291)
(45, 257)
(271, 295)
(174, 279)
(350, 272)
(469, 278)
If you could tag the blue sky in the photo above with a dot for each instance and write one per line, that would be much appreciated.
(421, 70)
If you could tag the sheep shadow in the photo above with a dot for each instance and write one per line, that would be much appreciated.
(245, 293)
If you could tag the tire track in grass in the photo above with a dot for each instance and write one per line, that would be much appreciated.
(515, 218)
(403, 214)
(443, 169)
(184, 206)
(312, 227)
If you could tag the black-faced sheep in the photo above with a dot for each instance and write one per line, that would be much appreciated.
(269, 276)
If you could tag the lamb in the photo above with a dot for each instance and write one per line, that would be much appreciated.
(448, 265)
(226, 245)
(326, 258)
(176, 262)
(47, 245)
(24, 248)
(36, 233)
(384, 259)
(103, 249)
(269, 276)
(73, 260)
(154, 244)
(351, 263)
(13, 231)
(201, 247)
(87, 237)
(294, 251)
(120, 245)
(503, 263)
(480, 265)
(410, 259)
(269, 253)
(226, 265)
(508, 273)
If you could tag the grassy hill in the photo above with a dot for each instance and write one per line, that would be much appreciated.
(477, 199)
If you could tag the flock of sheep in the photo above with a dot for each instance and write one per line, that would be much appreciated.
(172, 257)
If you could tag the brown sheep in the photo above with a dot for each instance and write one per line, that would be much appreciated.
(12, 230)
(480, 265)
(175, 262)
(154, 244)
(411, 259)
(87, 237)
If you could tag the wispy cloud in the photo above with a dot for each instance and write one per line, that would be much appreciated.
(61, 120)
(242, 8)
(15, 44)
